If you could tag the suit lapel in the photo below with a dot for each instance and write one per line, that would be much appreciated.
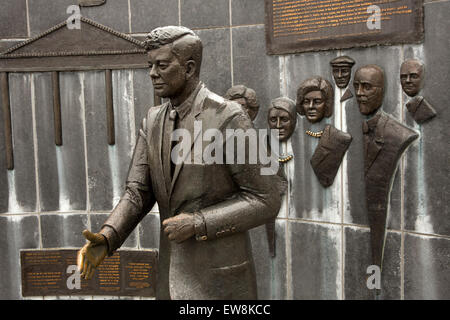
(194, 115)
(157, 134)
(374, 147)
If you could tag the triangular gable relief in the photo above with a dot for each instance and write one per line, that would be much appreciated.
(93, 46)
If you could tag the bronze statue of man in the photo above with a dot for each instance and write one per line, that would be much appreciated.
(412, 80)
(246, 97)
(385, 140)
(206, 210)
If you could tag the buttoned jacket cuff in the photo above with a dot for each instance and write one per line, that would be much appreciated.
(200, 227)
(112, 238)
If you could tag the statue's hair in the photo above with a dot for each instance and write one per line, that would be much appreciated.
(186, 45)
(316, 83)
(417, 61)
(284, 103)
(241, 91)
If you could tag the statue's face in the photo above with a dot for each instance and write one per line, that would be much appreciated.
(411, 77)
(281, 120)
(314, 106)
(251, 111)
(369, 90)
(342, 76)
(167, 73)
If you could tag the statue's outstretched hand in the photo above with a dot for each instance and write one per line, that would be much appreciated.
(92, 254)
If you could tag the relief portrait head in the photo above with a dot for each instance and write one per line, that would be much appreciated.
(282, 115)
(412, 76)
(342, 70)
(246, 97)
(315, 99)
(369, 88)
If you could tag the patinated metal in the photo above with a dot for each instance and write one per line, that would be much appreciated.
(385, 140)
(246, 97)
(57, 124)
(204, 243)
(342, 73)
(110, 107)
(91, 3)
(7, 120)
(412, 76)
(294, 26)
(315, 100)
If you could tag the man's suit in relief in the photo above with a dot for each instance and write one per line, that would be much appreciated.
(226, 200)
(385, 140)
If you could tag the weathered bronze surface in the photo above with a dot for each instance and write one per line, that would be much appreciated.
(92, 47)
(7, 120)
(205, 210)
(420, 109)
(294, 26)
(57, 109)
(327, 157)
(110, 108)
(385, 140)
(342, 73)
(282, 116)
(90, 3)
(246, 97)
(412, 80)
(315, 99)
(53, 273)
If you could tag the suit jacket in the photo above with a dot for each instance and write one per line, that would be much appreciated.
(328, 155)
(225, 199)
(420, 109)
(385, 140)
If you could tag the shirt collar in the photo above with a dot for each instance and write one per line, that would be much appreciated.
(184, 108)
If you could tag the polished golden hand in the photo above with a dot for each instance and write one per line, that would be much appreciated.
(92, 254)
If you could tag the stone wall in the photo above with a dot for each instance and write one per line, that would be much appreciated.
(322, 235)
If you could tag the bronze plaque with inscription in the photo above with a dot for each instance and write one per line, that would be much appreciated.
(54, 273)
(294, 26)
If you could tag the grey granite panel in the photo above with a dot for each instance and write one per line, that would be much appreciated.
(63, 230)
(203, 14)
(247, 12)
(48, 164)
(45, 14)
(357, 260)
(22, 178)
(270, 271)
(5, 45)
(98, 151)
(315, 260)
(71, 155)
(97, 221)
(124, 122)
(427, 181)
(18, 232)
(13, 19)
(216, 64)
(426, 268)
(256, 70)
(149, 14)
(355, 205)
(143, 95)
(113, 14)
(149, 230)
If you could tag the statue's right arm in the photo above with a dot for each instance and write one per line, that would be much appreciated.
(137, 200)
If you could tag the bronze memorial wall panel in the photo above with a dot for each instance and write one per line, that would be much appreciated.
(54, 273)
(294, 26)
